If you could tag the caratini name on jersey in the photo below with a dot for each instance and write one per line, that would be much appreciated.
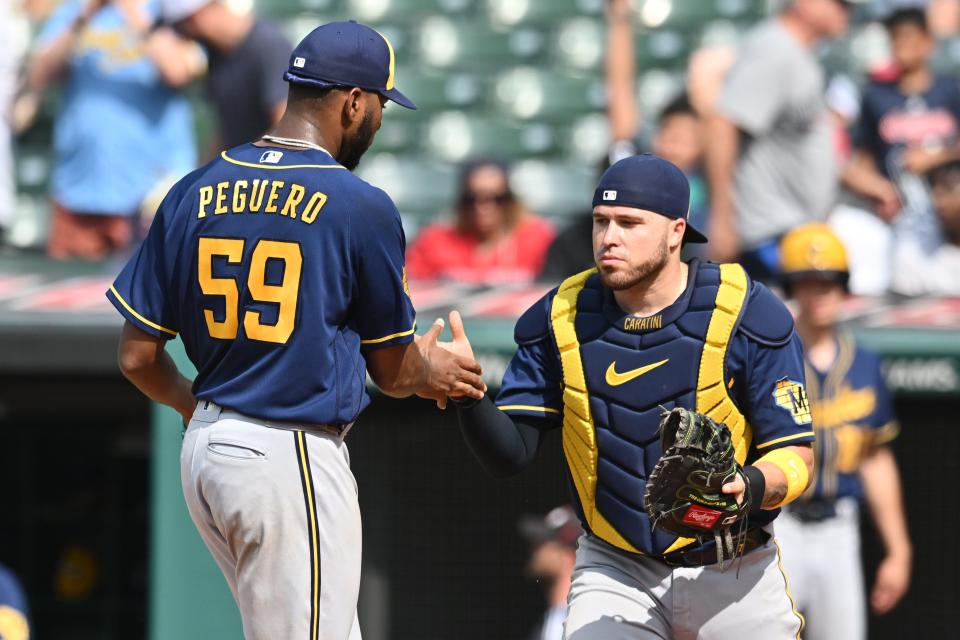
(261, 196)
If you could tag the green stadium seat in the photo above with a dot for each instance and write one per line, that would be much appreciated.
(31, 219)
(475, 45)
(456, 136)
(437, 90)
(663, 49)
(695, 13)
(284, 8)
(555, 189)
(374, 11)
(579, 43)
(32, 168)
(535, 93)
(514, 12)
(419, 185)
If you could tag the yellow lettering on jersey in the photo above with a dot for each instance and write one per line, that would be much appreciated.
(312, 210)
(221, 198)
(275, 186)
(296, 195)
(643, 324)
(206, 197)
(240, 196)
(256, 195)
(848, 406)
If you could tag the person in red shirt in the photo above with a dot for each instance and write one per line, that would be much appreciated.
(494, 238)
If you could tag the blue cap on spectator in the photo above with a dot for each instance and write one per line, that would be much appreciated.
(346, 54)
(651, 183)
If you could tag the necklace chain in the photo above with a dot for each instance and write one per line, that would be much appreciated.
(293, 142)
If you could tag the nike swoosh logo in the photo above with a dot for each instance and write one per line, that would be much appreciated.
(615, 379)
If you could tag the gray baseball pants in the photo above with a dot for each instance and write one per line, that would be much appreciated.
(823, 562)
(614, 596)
(277, 507)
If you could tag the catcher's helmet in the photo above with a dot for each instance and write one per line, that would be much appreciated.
(813, 250)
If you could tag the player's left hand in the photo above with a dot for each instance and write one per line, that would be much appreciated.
(892, 581)
(737, 487)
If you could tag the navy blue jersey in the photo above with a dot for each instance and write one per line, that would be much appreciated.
(532, 384)
(14, 621)
(852, 412)
(277, 268)
(604, 376)
(891, 120)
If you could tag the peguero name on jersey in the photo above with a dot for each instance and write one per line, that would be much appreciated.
(270, 197)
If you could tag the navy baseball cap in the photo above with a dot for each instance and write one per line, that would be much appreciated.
(346, 54)
(651, 183)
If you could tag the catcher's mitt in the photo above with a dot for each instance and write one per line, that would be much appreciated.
(683, 491)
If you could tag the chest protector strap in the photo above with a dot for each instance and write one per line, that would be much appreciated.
(579, 436)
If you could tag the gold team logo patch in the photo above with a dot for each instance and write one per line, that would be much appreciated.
(791, 395)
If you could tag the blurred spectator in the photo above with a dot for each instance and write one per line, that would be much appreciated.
(908, 124)
(122, 126)
(867, 238)
(854, 423)
(918, 269)
(553, 554)
(770, 155)
(494, 238)
(8, 78)
(678, 138)
(248, 56)
(14, 617)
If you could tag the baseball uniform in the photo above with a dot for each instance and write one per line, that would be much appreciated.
(726, 347)
(279, 270)
(820, 532)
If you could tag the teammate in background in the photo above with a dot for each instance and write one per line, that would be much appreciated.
(247, 58)
(553, 554)
(770, 156)
(598, 357)
(909, 123)
(676, 135)
(283, 274)
(854, 422)
(14, 617)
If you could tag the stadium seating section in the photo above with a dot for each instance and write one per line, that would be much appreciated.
(518, 79)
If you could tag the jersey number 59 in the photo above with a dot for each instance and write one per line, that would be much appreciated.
(284, 294)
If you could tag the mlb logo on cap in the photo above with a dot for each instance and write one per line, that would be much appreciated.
(299, 63)
(609, 195)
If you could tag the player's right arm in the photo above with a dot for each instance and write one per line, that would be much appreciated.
(399, 362)
(505, 436)
(145, 363)
(424, 367)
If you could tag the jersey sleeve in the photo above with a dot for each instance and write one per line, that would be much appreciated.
(141, 292)
(383, 311)
(865, 136)
(58, 22)
(532, 384)
(883, 420)
(777, 407)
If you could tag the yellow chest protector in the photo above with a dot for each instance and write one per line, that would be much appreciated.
(581, 445)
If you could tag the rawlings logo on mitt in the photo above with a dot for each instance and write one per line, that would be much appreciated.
(683, 494)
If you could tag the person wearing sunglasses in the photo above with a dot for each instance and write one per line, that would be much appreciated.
(493, 238)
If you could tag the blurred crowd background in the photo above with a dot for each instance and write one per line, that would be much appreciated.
(522, 103)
